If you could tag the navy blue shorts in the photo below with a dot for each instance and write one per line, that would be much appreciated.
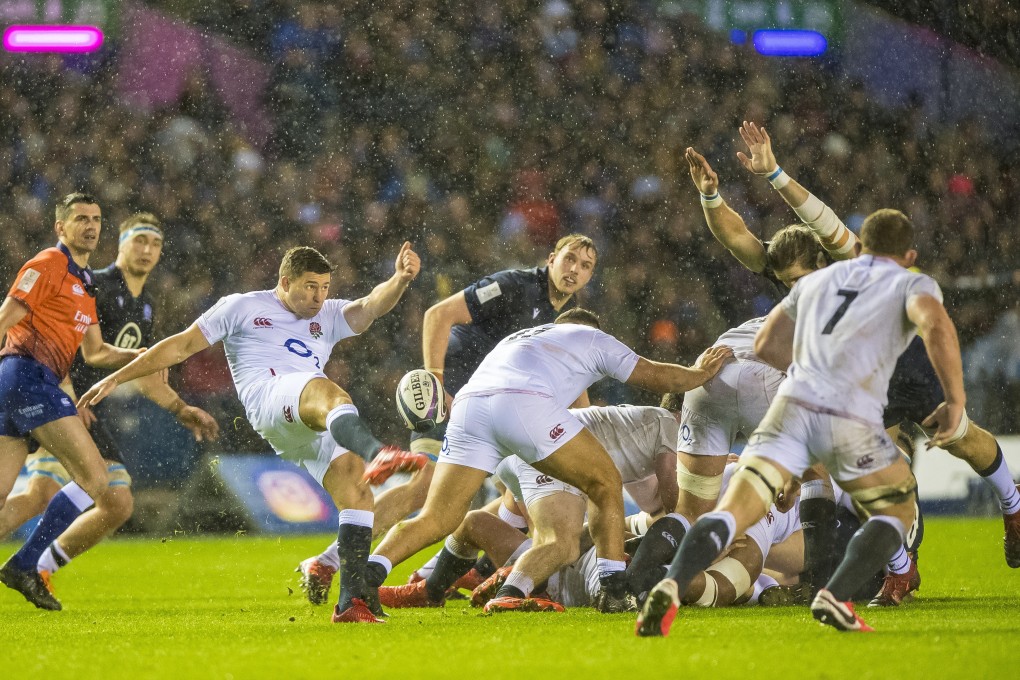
(30, 396)
(914, 390)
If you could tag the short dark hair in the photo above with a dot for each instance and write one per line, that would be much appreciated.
(672, 401)
(301, 260)
(580, 316)
(140, 218)
(887, 232)
(791, 245)
(576, 241)
(65, 204)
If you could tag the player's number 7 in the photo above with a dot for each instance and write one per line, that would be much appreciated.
(848, 297)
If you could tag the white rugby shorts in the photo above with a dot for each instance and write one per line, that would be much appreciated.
(527, 484)
(484, 429)
(797, 435)
(732, 403)
(273, 412)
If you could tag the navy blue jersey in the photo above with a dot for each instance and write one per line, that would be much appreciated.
(500, 304)
(125, 321)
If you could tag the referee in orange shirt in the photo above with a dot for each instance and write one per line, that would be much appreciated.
(49, 312)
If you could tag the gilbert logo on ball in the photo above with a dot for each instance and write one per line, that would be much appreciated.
(421, 400)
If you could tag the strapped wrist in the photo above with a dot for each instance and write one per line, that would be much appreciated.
(712, 200)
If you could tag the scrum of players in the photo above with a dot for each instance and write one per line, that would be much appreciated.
(820, 508)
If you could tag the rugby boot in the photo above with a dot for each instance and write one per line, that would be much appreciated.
(614, 597)
(898, 588)
(406, 596)
(47, 579)
(488, 588)
(30, 584)
(840, 615)
(316, 579)
(358, 612)
(660, 609)
(1012, 539)
(392, 459)
(469, 581)
(784, 596)
(521, 604)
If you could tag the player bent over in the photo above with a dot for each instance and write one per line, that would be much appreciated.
(276, 343)
(516, 403)
(841, 328)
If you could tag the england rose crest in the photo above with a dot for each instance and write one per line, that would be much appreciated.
(315, 329)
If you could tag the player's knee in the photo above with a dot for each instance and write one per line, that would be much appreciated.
(94, 483)
(732, 579)
(605, 486)
(764, 478)
(120, 506)
(702, 487)
(889, 499)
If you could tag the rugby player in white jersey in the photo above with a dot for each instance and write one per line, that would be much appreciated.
(840, 331)
(277, 342)
(516, 404)
(640, 440)
(914, 390)
(713, 417)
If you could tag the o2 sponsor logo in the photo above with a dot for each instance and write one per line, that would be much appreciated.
(685, 434)
(301, 349)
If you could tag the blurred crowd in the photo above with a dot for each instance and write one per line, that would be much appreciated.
(482, 132)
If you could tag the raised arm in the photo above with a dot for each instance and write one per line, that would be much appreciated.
(164, 354)
(362, 312)
(725, 224)
(943, 346)
(659, 377)
(840, 242)
(435, 332)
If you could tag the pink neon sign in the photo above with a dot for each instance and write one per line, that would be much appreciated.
(52, 38)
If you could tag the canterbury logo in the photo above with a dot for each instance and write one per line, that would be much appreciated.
(543, 479)
(865, 461)
(288, 414)
(556, 432)
(263, 322)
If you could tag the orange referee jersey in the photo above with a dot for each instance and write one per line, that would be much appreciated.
(60, 310)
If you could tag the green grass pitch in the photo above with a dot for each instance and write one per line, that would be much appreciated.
(230, 608)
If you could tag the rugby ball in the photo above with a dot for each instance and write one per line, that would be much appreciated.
(421, 400)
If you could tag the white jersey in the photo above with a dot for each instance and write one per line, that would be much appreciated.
(263, 339)
(851, 327)
(555, 360)
(741, 339)
(633, 436)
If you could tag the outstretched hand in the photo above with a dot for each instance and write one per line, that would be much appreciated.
(702, 173)
(408, 263)
(762, 160)
(101, 390)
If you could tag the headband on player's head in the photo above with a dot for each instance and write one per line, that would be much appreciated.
(142, 228)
